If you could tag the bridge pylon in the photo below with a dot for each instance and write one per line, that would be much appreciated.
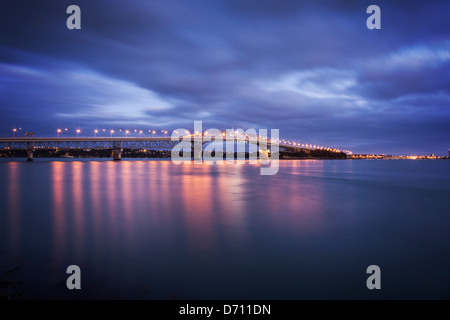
(197, 151)
(117, 153)
(30, 150)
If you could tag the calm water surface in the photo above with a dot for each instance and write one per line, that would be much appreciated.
(154, 230)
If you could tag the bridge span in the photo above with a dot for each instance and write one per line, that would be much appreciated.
(117, 144)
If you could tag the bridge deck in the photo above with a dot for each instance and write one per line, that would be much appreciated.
(111, 142)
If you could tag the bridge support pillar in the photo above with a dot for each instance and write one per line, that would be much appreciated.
(30, 154)
(197, 152)
(117, 154)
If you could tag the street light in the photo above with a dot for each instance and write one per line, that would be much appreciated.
(127, 132)
(112, 131)
(78, 131)
(59, 131)
(95, 132)
(140, 132)
(14, 132)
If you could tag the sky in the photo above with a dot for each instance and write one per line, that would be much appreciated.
(311, 69)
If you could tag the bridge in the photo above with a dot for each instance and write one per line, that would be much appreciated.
(117, 144)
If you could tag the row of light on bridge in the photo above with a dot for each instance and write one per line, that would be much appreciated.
(122, 132)
(236, 134)
(96, 131)
(244, 136)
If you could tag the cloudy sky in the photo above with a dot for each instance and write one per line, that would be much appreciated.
(309, 68)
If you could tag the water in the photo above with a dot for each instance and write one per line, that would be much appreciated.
(154, 230)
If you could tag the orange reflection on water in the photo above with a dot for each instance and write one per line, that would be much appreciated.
(197, 198)
(95, 175)
(299, 202)
(152, 193)
(59, 207)
(202, 207)
(131, 174)
(111, 197)
(78, 204)
(164, 185)
(154, 184)
(230, 190)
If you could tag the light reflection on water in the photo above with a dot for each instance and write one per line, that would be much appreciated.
(152, 229)
(13, 206)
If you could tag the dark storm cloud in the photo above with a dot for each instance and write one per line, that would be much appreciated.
(310, 68)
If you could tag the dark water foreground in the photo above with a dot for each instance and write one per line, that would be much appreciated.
(153, 230)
